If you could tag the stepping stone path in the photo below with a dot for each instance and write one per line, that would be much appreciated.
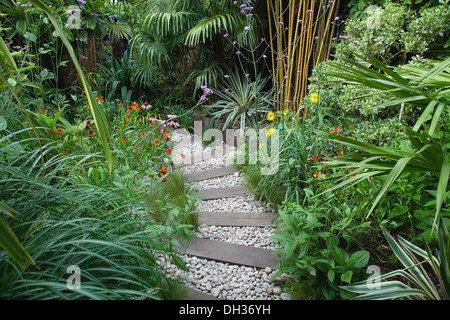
(231, 256)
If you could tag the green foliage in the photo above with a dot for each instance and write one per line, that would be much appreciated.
(312, 250)
(419, 284)
(243, 102)
(394, 32)
(73, 212)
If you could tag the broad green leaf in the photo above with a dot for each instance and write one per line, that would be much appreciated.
(358, 259)
(330, 275)
(347, 276)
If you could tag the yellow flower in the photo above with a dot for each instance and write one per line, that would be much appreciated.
(315, 98)
(285, 113)
(270, 116)
(270, 131)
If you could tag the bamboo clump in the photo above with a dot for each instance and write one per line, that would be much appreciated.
(300, 37)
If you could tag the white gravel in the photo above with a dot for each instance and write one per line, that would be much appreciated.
(228, 281)
(220, 182)
(234, 204)
(247, 236)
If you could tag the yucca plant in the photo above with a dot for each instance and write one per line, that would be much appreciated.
(420, 285)
(245, 102)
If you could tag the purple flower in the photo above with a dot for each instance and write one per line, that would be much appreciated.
(226, 76)
(308, 147)
(207, 90)
(225, 35)
(238, 52)
(247, 28)
(203, 98)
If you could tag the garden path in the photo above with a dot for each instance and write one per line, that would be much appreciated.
(231, 256)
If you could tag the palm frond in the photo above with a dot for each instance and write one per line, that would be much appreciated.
(207, 27)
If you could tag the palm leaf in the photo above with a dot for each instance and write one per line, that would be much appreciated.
(208, 26)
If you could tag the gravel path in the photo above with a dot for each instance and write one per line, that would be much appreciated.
(223, 280)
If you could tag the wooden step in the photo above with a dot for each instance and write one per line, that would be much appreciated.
(219, 193)
(238, 219)
(199, 157)
(210, 174)
(193, 294)
(231, 253)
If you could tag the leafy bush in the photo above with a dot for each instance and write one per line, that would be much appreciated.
(312, 246)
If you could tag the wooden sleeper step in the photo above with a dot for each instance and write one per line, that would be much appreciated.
(210, 174)
(231, 253)
(237, 219)
(211, 194)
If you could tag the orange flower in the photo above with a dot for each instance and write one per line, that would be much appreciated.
(136, 108)
(88, 107)
(169, 150)
(91, 133)
(59, 131)
(156, 143)
(166, 133)
(166, 139)
(163, 171)
(315, 159)
(143, 134)
(121, 104)
(183, 156)
(318, 174)
(128, 117)
(336, 130)
(140, 119)
(340, 153)
(124, 139)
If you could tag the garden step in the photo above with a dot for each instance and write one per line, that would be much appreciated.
(236, 219)
(210, 174)
(199, 157)
(228, 192)
(231, 253)
(193, 294)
